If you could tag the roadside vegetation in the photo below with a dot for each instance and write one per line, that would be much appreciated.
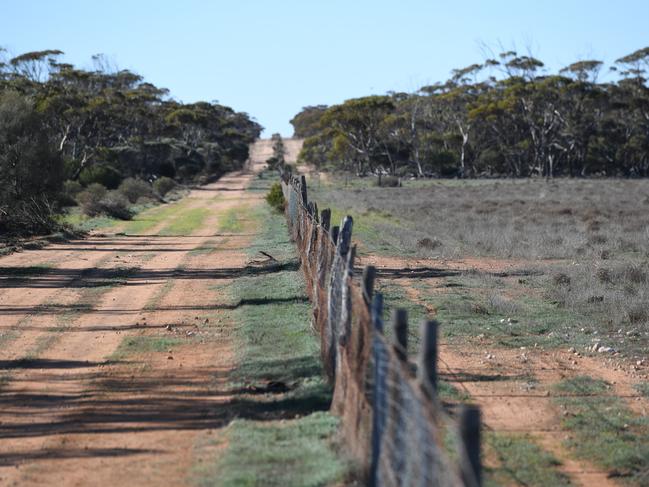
(506, 116)
(102, 141)
(288, 436)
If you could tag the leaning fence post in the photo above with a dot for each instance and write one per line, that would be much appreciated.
(469, 429)
(305, 201)
(427, 362)
(325, 219)
(400, 338)
(369, 274)
(378, 391)
(334, 234)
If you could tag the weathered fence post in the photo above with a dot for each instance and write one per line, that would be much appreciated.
(325, 219)
(427, 362)
(305, 201)
(336, 295)
(469, 429)
(334, 234)
(400, 337)
(346, 299)
(378, 391)
(369, 274)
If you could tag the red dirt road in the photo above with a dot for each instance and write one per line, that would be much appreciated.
(76, 413)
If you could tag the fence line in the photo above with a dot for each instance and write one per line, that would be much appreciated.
(392, 421)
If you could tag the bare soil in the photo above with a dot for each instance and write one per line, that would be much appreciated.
(76, 413)
(514, 386)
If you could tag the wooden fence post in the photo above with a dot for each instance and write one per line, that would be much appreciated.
(469, 429)
(400, 337)
(427, 362)
(325, 219)
(334, 235)
(378, 393)
(369, 274)
(305, 201)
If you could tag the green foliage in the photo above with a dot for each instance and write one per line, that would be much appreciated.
(107, 126)
(306, 123)
(275, 197)
(30, 170)
(134, 189)
(163, 185)
(502, 117)
(100, 174)
(72, 188)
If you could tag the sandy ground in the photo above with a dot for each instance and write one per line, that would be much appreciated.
(514, 386)
(73, 412)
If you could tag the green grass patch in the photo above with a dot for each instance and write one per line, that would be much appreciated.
(274, 343)
(186, 222)
(603, 428)
(232, 219)
(643, 388)
(279, 453)
(522, 462)
(467, 309)
(75, 218)
(143, 344)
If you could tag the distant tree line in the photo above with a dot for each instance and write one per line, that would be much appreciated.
(100, 126)
(503, 117)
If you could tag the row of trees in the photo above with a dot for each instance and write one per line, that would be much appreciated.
(59, 122)
(505, 116)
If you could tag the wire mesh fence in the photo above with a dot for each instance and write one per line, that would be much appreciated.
(393, 424)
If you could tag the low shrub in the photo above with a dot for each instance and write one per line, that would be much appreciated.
(107, 176)
(134, 189)
(97, 200)
(275, 197)
(116, 205)
(163, 185)
(89, 199)
(72, 188)
(389, 182)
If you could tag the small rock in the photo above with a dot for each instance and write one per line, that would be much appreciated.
(170, 357)
(168, 327)
(572, 350)
(603, 349)
(207, 320)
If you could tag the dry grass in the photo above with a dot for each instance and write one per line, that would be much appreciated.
(588, 238)
(532, 219)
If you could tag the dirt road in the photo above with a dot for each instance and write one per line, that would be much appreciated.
(112, 362)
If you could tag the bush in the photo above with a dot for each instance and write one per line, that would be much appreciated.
(97, 200)
(134, 189)
(275, 197)
(90, 198)
(30, 168)
(163, 185)
(116, 205)
(72, 188)
(388, 182)
(107, 176)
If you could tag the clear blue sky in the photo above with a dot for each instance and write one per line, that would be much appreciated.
(270, 58)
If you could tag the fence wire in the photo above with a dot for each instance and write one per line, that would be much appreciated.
(391, 424)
